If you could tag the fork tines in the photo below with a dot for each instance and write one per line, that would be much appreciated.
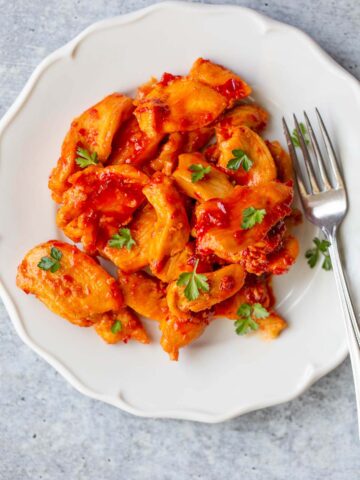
(326, 175)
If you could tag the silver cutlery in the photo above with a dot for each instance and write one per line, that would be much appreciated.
(325, 203)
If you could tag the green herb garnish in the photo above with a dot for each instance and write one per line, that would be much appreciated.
(246, 312)
(51, 263)
(116, 327)
(199, 171)
(295, 137)
(193, 283)
(240, 160)
(313, 254)
(252, 216)
(122, 239)
(86, 158)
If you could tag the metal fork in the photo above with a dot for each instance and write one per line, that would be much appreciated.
(324, 200)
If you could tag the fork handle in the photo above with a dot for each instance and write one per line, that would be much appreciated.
(351, 321)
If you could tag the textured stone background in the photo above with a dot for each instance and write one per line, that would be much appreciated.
(49, 431)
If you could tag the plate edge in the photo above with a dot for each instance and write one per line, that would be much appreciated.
(68, 51)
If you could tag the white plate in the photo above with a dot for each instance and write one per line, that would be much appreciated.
(221, 375)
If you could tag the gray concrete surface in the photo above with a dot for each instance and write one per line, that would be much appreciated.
(49, 431)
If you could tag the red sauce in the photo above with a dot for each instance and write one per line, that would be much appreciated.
(130, 143)
(167, 78)
(211, 153)
(68, 278)
(232, 89)
(203, 265)
(110, 199)
(161, 113)
(94, 113)
(224, 131)
(239, 236)
(216, 216)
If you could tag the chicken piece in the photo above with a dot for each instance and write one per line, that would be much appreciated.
(182, 261)
(223, 283)
(178, 104)
(133, 146)
(121, 326)
(197, 139)
(79, 290)
(256, 257)
(218, 221)
(178, 143)
(177, 334)
(99, 201)
(145, 88)
(141, 228)
(171, 229)
(144, 294)
(224, 81)
(250, 115)
(271, 327)
(281, 260)
(257, 289)
(282, 160)
(212, 153)
(167, 159)
(263, 168)
(94, 131)
(215, 184)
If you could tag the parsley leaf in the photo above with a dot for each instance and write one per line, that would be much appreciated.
(327, 265)
(55, 253)
(295, 137)
(246, 323)
(240, 159)
(244, 326)
(199, 171)
(86, 158)
(313, 254)
(51, 263)
(252, 216)
(193, 283)
(122, 239)
(244, 310)
(116, 327)
(259, 311)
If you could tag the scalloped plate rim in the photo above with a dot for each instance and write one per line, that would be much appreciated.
(68, 50)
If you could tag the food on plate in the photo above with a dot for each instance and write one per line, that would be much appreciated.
(248, 115)
(244, 155)
(121, 326)
(282, 161)
(171, 230)
(191, 172)
(131, 145)
(99, 201)
(228, 227)
(92, 131)
(178, 104)
(178, 190)
(136, 238)
(69, 282)
(216, 286)
(224, 81)
(145, 294)
(178, 333)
